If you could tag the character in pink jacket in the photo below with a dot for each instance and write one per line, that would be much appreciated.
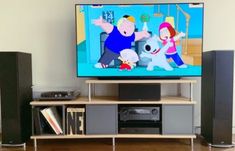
(168, 34)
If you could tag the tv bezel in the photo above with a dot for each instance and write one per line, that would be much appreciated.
(139, 77)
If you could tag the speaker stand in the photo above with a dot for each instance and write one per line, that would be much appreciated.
(14, 145)
(222, 146)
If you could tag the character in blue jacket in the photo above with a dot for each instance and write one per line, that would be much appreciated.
(120, 38)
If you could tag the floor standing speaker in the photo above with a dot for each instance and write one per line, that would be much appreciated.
(217, 97)
(16, 94)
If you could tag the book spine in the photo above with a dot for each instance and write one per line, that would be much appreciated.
(50, 121)
(52, 112)
(37, 121)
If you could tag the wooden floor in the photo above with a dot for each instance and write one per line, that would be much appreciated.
(121, 145)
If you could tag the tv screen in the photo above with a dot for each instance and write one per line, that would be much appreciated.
(139, 40)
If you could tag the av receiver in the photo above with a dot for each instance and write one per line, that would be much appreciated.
(139, 119)
(140, 113)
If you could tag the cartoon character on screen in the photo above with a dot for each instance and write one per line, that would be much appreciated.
(119, 38)
(167, 33)
(156, 54)
(129, 58)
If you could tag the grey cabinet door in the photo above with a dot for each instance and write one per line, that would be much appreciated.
(177, 119)
(101, 119)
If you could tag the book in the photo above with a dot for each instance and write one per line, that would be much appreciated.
(56, 118)
(75, 120)
(53, 118)
(37, 122)
(41, 126)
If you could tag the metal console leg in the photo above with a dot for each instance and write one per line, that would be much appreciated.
(35, 143)
(113, 143)
(24, 146)
(192, 144)
(191, 92)
(89, 92)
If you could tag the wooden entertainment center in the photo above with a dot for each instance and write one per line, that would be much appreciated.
(176, 110)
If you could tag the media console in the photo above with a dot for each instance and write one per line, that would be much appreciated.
(107, 117)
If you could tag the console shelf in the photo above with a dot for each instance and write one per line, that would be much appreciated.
(113, 100)
(180, 81)
(138, 81)
(174, 109)
(191, 137)
(112, 136)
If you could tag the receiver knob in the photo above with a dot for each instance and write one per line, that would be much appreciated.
(154, 111)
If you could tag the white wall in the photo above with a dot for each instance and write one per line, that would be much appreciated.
(46, 28)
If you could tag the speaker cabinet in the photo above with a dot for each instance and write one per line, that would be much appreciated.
(140, 92)
(16, 94)
(217, 97)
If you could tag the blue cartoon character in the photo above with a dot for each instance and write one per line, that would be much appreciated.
(120, 38)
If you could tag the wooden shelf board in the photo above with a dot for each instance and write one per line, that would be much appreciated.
(139, 81)
(69, 136)
(111, 136)
(80, 100)
(113, 100)
(153, 136)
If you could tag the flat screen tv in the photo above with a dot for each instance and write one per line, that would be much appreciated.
(139, 40)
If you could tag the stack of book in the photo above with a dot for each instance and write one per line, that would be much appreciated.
(53, 118)
(47, 120)
(75, 120)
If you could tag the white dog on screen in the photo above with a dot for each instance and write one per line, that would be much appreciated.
(156, 54)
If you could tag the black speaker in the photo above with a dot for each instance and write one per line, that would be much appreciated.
(140, 92)
(217, 97)
(16, 94)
